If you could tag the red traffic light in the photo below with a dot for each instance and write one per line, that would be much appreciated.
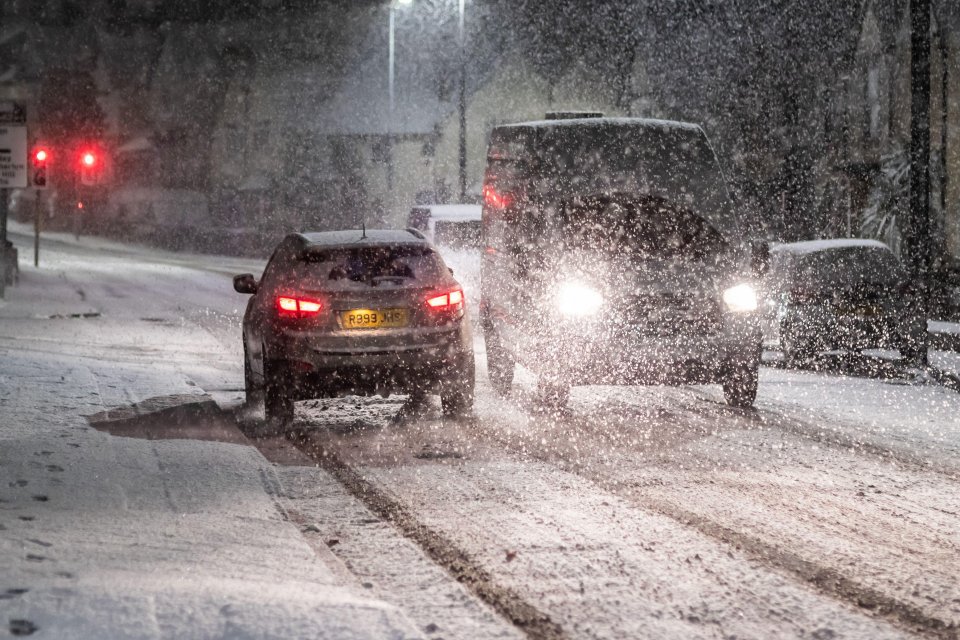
(41, 155)
(88, 159)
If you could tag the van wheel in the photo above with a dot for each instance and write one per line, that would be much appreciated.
(740, 385)
(456, 391)
(500, 364)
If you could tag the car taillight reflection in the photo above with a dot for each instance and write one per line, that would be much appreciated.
(495, 199)
(452, 299)
(291, 307)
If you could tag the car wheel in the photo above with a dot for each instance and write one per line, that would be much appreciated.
(796, 350)
(254, 393)
(500, 364)
(552, 395)
(277, 401)
(456, 390)
(912, 349)
(740, 385)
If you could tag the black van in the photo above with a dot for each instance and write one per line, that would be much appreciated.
(612, 255)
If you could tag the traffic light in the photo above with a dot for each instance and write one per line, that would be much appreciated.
(39, 174)
(89, 167)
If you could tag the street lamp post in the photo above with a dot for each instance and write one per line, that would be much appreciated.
(391, 65)
(462, 150)
(462, 107)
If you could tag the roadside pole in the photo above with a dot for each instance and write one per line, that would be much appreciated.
(919, 235)
(37, 223)
(3, 242)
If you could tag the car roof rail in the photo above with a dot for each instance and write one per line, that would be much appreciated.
(416, 233)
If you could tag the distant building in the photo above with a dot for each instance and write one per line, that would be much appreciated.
(868, 121)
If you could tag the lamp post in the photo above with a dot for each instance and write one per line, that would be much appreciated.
(462, 151)
(391, 65)
(462, 91)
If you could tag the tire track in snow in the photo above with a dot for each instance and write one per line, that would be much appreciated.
(534, 623)
(823, 578)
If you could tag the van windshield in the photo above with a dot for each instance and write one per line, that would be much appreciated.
(669, 161)
(637, 227)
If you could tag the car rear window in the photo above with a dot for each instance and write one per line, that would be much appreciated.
(367, 266)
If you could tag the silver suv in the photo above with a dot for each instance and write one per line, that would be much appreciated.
(355, 312)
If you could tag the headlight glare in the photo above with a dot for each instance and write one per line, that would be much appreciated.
(578, 300)
(741, 298)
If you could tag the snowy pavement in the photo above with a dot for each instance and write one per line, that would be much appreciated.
(133, 506)
(116, 537)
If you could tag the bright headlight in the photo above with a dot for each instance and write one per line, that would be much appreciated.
(741, 298)
(578, 300)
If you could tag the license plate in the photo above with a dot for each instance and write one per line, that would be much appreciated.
(373, 318)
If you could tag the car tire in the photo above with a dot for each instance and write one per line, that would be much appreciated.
(796, 350)
(457, 390)
(912, 349)
(740, 385)
(254, 393)
(277, 400)
(552, 395)
(500, 363)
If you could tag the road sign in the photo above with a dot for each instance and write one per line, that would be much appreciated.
(13, 156)
(12, 113)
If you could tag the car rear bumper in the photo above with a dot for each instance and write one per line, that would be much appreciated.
(314, 368)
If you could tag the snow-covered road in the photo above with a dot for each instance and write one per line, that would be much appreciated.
(830, 511)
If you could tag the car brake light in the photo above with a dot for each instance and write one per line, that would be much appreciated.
(451, 299)
(494, 199)
(289, 307)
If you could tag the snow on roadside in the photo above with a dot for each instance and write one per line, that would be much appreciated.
(921, 419)
(114, 537)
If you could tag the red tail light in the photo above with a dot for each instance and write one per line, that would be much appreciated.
(290, 307)
(496, 200)
(451, 299)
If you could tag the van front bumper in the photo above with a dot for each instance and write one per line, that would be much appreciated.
(626, 355)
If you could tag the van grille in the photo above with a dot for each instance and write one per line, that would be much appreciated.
(672, 314)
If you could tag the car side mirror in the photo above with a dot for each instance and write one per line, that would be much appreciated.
(760, 258)
(245, 283)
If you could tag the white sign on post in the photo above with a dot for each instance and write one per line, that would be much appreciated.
(13, 157)
(13, 145)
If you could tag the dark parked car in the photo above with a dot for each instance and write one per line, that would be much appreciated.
(354, 312)
(848, 294)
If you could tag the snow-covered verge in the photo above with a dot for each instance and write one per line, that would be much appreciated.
(114, 537)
